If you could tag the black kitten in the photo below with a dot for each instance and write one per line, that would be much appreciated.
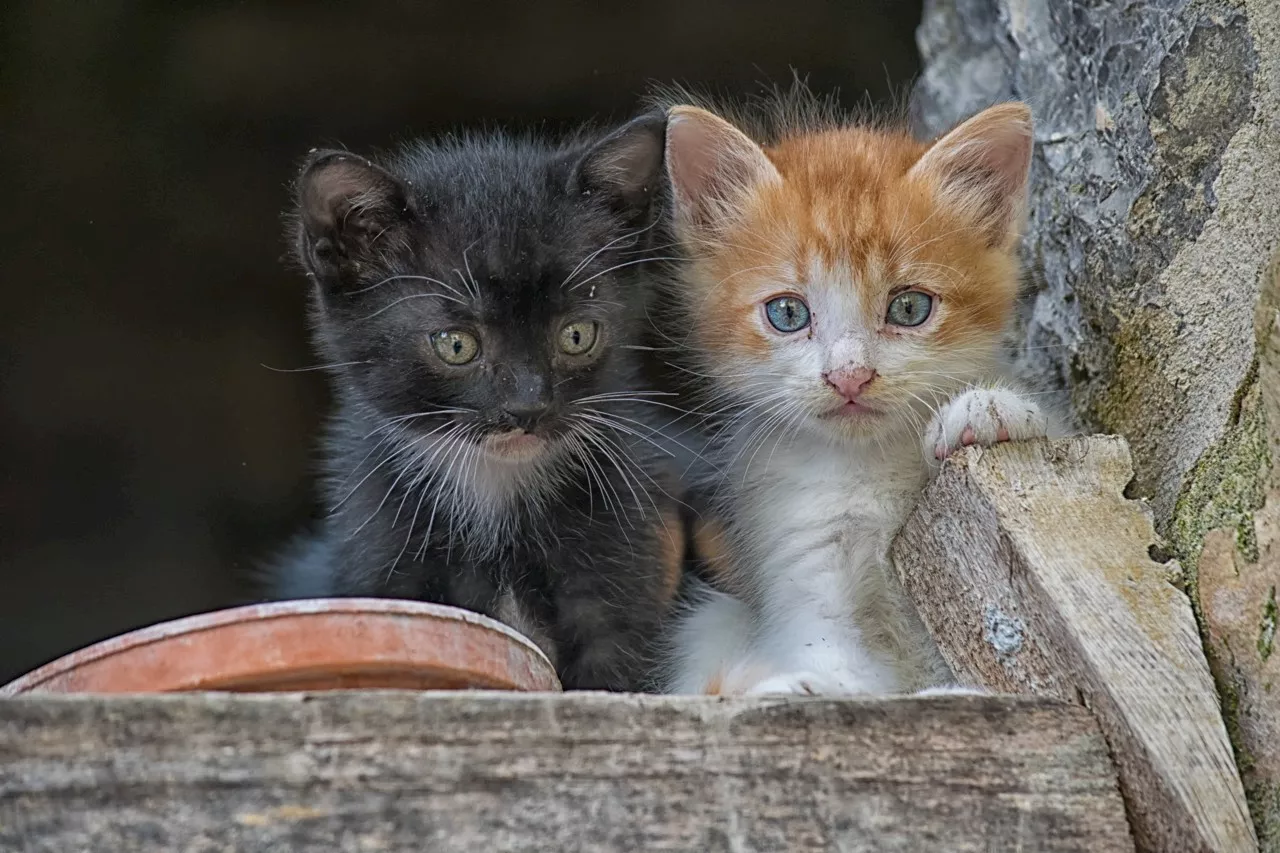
(483, 302)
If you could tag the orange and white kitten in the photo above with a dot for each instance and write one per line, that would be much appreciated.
(849, 289)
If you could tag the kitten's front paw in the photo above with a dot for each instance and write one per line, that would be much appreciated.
(801, 683)
(983, 416)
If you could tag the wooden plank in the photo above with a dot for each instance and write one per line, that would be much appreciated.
(1032, 571)
(589, 772)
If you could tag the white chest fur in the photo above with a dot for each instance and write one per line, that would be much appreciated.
(817, 602)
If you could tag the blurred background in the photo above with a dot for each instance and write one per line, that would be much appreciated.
(148, 458)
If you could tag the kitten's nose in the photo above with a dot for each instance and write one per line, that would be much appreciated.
(850, 383)
(525, 394)
(526, 411)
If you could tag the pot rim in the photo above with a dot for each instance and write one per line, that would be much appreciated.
(213, 620)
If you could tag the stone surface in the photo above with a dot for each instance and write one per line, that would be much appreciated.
(1155, 213)
(589, 772)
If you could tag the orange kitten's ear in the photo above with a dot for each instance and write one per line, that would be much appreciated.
(712, 165)
(982, 166)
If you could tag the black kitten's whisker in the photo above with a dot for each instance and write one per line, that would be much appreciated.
(614, 417)
(598, 438)
(592, 278)
(458, 447)
(406, 277)
(624, 395)
(406, 468)
(591, 257)
(475, 287)
(386, 308)
(575, 448)
(607, 487)
(333, 366)
(401, 419)
(623, 428)
(422, 463)
(384, 442)
(636, 467)
(418, 484)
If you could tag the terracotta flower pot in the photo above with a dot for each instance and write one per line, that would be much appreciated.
(317, 644)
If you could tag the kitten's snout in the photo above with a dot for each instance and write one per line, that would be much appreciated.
(526, 412)
(849, 383)
(526, 395)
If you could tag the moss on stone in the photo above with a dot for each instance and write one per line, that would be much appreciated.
(1225, 487)
(1264, 806)
(1267, 630)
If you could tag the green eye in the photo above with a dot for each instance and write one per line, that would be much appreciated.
(910, 308)
(578, 338)
(455, 347)
(787, 313)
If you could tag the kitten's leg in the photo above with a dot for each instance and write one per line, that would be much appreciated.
(612, 597)
(983, 416)
(809, 634)
(710, 639)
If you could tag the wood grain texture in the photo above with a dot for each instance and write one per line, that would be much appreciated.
(1032, 571)
(590, 772)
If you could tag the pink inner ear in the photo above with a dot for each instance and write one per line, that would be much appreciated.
(710, 163)
(983, 165)
(346, 192)
(691, 158)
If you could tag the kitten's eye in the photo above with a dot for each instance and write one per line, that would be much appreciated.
(910, 308)
(455, 347)
(578, 338)
(787, 313)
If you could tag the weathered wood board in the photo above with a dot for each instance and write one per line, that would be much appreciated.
(570, 772)
(1032, 571)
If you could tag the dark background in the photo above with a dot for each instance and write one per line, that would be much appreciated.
(148, 459)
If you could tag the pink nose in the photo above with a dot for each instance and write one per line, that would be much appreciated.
(850, 383)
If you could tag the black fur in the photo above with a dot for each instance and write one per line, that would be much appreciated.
(508, 239)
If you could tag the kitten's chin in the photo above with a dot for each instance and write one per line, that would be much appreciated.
(852, 420)
(514, 446)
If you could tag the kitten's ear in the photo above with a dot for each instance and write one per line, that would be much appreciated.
(626, 166)
(712, 165)
(348, 208)
(982, 166)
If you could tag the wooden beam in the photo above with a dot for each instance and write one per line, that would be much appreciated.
(567, 772)
(1032, 571)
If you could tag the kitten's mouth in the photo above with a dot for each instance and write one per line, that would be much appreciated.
(516, 445)
(852, 409)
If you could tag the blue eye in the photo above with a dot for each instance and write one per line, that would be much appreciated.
(910, 308)
(787, 313)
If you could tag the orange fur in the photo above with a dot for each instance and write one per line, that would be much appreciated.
(715, 685)
(850, 206)
(671, 544)
(710, 546)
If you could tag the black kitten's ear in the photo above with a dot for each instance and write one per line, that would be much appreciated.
(626, 166)
(348, 209)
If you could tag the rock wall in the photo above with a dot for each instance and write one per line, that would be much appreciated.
(1152, 279)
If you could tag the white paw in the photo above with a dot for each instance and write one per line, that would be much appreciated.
(983, 416)
(802, 683)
